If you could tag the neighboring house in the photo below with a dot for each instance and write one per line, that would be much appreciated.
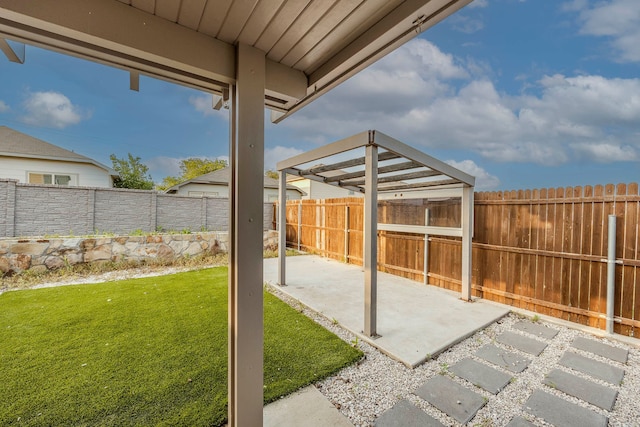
(216, 184)
(33, 161)
(318, 190)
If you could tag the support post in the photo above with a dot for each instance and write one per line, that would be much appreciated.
(467, 235)
(611, 272)
(370, 241)
(282, 227)
(246, 221)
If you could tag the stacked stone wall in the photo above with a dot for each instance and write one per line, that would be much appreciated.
(18, 255)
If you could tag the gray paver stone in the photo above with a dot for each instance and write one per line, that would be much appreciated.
(560, 412)
(596, 394)
(520, 422)
(406, 414)
(602, 371)
(536, 329)
(481, 375)
(451, 398)
(601, 349)
(510, 361)
(522, 343)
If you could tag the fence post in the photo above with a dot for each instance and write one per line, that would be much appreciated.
(611, 272)
(346, 234)
(426, 248)
(299, 221)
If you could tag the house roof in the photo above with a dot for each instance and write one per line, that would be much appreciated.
(20, 145)
(221, 177)
(311, 46)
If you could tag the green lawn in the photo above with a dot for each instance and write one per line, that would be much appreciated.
(144, 352)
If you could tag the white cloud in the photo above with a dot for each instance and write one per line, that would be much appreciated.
(478, 4)
(466, 24)
(278, 153)
(618, 20)
(606, 152)
(51, 109)
(484, 180)
(3, 107)
(455, 106)
(204, 105)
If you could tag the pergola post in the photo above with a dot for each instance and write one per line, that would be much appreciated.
(282, 227)
(467, 236)
(370, 241)
(246, 208)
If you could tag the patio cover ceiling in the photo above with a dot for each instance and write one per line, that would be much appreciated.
(400, 167)
(311, 46)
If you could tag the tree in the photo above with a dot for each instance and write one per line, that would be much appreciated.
(191, 168)
(132, 173)
(271, 173)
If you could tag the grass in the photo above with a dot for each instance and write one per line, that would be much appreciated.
(144, 352)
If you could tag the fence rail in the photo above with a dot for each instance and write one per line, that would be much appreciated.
(543, 250)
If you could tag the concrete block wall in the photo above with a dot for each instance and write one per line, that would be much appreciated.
(37, 210)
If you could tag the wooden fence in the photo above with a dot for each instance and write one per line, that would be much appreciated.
(542, 250)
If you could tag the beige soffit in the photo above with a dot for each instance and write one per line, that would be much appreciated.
(311, 46)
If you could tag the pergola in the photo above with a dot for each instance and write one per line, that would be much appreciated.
(388, 169)
(248, 54)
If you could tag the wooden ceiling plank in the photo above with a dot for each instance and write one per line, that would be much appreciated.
(168, 9)
(262, 15)
(286, 15)
(148, 6)
(309, 17)
(325, 25)
(236, 20)
(213, 17)
(191, 13)
(369, 12)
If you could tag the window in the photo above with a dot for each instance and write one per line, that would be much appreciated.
(203, 194)
(52, 178)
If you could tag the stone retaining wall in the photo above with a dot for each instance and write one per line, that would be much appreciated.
(39, 254)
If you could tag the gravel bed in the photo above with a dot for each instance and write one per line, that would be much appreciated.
(362, 392)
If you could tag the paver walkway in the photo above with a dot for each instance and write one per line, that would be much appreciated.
(456, 393)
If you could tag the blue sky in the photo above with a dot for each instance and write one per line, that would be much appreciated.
(520, 93)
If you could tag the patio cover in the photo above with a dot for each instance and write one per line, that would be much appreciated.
(388, 169)
(249, 54)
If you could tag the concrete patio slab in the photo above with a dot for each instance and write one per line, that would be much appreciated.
(305, 407)
(602, 371)
(458, 402)
(415, 321)
(522, 343)
(481, 375)
(596, 394)
(520, 422)
(536, 329)
(601, 349)
(510, 361)
(560, 412)
(406, 414)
